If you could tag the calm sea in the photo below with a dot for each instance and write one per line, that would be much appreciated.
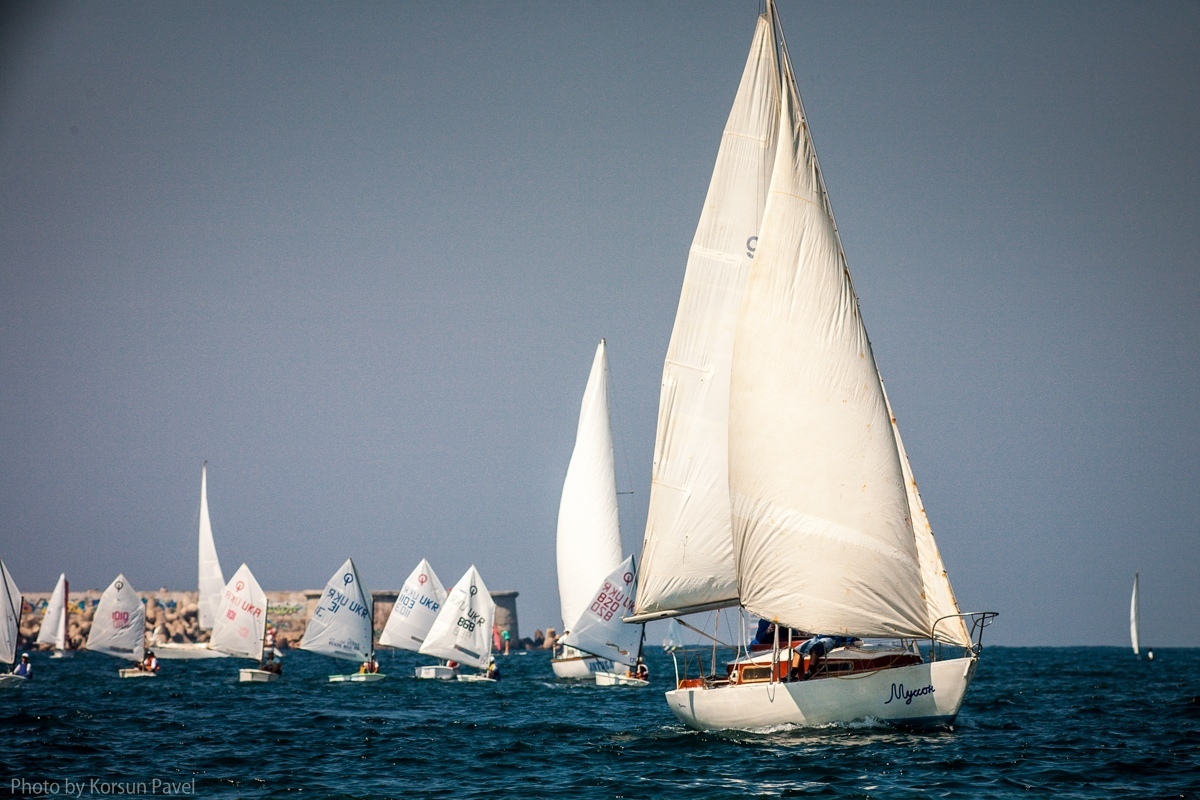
(1061, 722)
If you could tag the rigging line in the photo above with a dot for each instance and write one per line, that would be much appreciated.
(705, 634)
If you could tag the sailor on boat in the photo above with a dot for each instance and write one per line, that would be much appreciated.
(270, 664)
(493, 671)
(149, 663)
(24, 669)
(369, 667)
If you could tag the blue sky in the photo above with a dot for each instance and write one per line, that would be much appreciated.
(358, 257)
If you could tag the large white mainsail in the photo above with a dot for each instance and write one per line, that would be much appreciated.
(10, 616)
(599, 630)
(415, 610)
(687, 558)
(119, 623)
(241, 619)
(821, 531)
(463, 628)
(1134, 638)
(54, 622)
(211, 582)
(589, 535)
(341, 625)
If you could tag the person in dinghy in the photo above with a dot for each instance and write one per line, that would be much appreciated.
(24, 669)
(149, 663)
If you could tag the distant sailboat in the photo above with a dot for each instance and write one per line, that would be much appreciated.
(342, 626)
(119, 627)
(600, 629)
(417, 606)
(462, 631)
(1134, 618)
(10, 626)
(589, 533)
(54, 621)
(210, 583)
(240, 627)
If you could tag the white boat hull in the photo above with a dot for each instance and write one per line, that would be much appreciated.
(476, 679)
(579, 666)
(134, 672)
(63, 654)
(439, 672)
(9, 681)
(358, 677)
(256, 676)
(919, 695)
(176, 650)
(615, 679)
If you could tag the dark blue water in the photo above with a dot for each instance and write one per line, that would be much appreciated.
(1062, 723)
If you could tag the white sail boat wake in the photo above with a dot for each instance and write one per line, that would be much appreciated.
(343, 626)
(10, 626)
(589, 533)
(780, 483)
(54, 622)
(210, 582)
(119, 628)
(417, 606)
(462, 631)
(240, 627)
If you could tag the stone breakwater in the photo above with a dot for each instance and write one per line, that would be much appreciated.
(174, 616)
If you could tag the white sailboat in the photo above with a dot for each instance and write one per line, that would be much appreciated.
(601, 631)
(462, 631)
(119, 628)
(53, 631)
(417, 606)
(1134, 619)
(589, 534)
(780, 483)
(240, 625)
(10, 627)
(342, 626)
(210, 582)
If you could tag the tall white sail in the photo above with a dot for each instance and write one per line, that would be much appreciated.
(54, 621)
(119, 624)
(599, 630)
(687, 557)
(821, 531)
(416, 608)
(1133, 618)
(463, 628)
(211, 581)
(241, 619)
(589, 536)
(10, 622)
(341, 625)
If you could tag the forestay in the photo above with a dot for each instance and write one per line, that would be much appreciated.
(589, 535)
(821, 531)
(54, 622)
(10, 624)
(687, 556)
(211, 581)
(241, 621)
(341, 624)
(599, 629)
(416, 608)
(119, 623)
(463, 628)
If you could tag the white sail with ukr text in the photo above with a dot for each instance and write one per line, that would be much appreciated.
(341, 623)
(599, 630)
(119, 623)
(54, 622)
(417, 606)
(463, 628)
(687, 556)
(10, 622)
(211, 581)
(241, 619)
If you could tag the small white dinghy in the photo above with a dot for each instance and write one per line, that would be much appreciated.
(10, 627)
(54, 622)
(240, 627)
(615, 679)
(417, 606)
(463, 629)
(438, 672)
(476, 678)
(119, 628)
(342, 625)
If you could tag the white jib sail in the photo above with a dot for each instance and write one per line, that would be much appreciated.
(589, 536)
(119, 623)
(416, 608)
(241, 617)
(54, 621)
(10, 625)
(821, 530)
(1133, 617)
(463, 629)
(341, 624)
(211, 581)
(599, 630)
(687, 556)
